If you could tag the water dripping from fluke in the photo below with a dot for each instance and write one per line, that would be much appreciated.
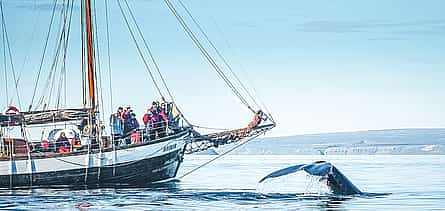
(322, 174)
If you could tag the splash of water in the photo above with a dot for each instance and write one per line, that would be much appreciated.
(300, 184)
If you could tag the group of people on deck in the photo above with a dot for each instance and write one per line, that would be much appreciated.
(161, 119)
(123, 121)
(156, 121)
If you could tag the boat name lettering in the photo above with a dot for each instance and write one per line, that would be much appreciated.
(169, 147)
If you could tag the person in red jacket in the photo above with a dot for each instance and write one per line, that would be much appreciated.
(163, 120)
(146, 118)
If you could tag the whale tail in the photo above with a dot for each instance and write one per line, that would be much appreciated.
(336, 181)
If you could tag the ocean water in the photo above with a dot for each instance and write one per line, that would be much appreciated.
(392, 182)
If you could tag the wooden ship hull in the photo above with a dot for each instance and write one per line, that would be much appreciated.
(131, 165)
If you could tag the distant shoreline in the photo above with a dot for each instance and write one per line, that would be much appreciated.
(357, 131)
(414, 141)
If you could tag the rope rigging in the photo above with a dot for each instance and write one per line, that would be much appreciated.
(226, 63)
(249, 83)
(4, 62)
(223, 59)
(206, 54)
(219, 156)
(110, 82)
(34, 30)
(153, 60)
(47, 92)
(8, 46)
(139, 49)
(60, 54)
(96, 51)
(67, 27)
(212, 128)
(108, 55)
(83, 61)
(42, 59)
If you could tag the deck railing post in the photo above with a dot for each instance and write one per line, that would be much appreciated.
(2, 143)
(30, 165)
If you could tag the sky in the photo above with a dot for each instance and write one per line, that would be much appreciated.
(319, 66)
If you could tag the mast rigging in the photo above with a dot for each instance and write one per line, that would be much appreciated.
(7, 45)
(206, 54)
(139, 49)
(137, 155)
(42, 59)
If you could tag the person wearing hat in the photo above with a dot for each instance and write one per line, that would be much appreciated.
(133, 121)
(126, 118)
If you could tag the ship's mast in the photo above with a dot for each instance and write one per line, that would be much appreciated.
(90, 56)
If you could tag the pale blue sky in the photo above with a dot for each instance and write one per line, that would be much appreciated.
(320, 66)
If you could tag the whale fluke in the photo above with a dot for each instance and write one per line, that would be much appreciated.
(336, 181)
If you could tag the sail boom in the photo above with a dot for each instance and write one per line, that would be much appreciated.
(43, 117)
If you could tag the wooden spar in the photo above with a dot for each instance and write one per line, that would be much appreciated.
(256, 127)
(90, 60)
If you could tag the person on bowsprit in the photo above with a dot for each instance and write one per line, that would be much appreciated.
(257, 119)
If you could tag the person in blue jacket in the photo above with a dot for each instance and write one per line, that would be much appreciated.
(116, 123)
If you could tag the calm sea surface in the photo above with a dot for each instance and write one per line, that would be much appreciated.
(392, 182)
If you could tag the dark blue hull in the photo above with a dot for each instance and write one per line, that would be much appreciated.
(135, 173)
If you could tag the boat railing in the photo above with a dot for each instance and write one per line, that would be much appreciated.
(138, 136)
(147, 134)
(150, 133)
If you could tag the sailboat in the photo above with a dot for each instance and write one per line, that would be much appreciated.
(78, 150)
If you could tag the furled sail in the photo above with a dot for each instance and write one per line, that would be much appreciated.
(43, 117)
